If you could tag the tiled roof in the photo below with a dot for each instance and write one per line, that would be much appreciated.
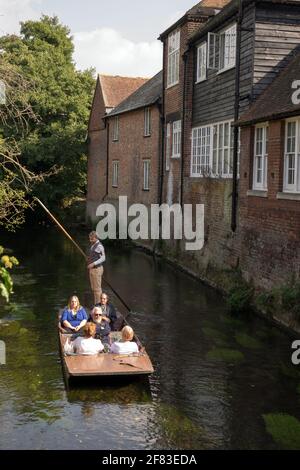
(276, 101)
(146, 95)
(115, 88)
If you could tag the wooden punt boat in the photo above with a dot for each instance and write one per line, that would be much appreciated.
(104, 364)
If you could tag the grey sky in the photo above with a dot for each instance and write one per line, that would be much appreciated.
(115, 37)
(138, 20)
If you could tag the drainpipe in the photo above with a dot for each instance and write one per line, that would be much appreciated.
(162, 117)
(161, 153)
(107, 159)
(185, 60)
(236, 117)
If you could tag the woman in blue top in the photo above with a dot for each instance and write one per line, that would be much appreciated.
(74, 316)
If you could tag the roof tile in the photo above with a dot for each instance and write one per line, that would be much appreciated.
(115, 88)
(276, 101)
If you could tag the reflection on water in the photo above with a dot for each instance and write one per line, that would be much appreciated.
(219, 381)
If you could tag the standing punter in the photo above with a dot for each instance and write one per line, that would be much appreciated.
(96, 259)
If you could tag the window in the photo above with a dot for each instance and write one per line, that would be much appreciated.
(146, 168)
(260, 163)
(176, 141)
(168, 147)
(212, 150)
(116, 129)
(228, 48)
(115, 176)
(147, 122)
(201, 145)
(201, 62)
(222, 49)
(292, 156)
(173, 58)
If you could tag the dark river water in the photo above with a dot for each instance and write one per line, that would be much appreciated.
(220, 382)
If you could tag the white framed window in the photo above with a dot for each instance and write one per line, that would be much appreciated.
(228, 48)
(176, 139)
(292, 156)
(260, 161)
(222, 155)
(168, 146)
(212, 150)
(146, 172)
(201, 62)
(222, 49)
(115, 174)
(147, 122)
(201, 150)
(173, 58)
(116, 129)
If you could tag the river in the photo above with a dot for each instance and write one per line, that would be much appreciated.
(220, 382)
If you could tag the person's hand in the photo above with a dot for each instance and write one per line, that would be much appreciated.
(77, 328)
(90, 266)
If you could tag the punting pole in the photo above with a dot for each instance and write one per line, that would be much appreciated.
(79, 249)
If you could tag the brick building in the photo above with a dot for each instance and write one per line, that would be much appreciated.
(177, 85)
(224, 68)
(134, 146)
(226, 59)
(109, 92)
(270, 182)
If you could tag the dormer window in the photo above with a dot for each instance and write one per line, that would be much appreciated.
(222, 49)
(173, 58)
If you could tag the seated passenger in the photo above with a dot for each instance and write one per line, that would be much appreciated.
(108, 310)
(102, 326)
(126, 346)
(87, 344)
(74, 316)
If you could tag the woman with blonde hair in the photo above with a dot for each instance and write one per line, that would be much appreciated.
(87, 344)
(74, 316)
(126, 346)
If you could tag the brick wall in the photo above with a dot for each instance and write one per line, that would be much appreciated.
(130, 150)
(96, 155)
(269, 228)
(173, 107)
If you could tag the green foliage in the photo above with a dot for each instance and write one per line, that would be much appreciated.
(284, 429)
(240, 295)
(215, 335)
(289, 371)
(226, 355)
(283, 298)
(179, 431)
(6, 283)
(60, 97)
(290, 298)
(247, 341)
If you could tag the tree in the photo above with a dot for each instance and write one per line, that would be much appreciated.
(15, 116)
(6, 284)
(60, 98)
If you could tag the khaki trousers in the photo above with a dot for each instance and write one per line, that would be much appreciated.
(96, 283)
